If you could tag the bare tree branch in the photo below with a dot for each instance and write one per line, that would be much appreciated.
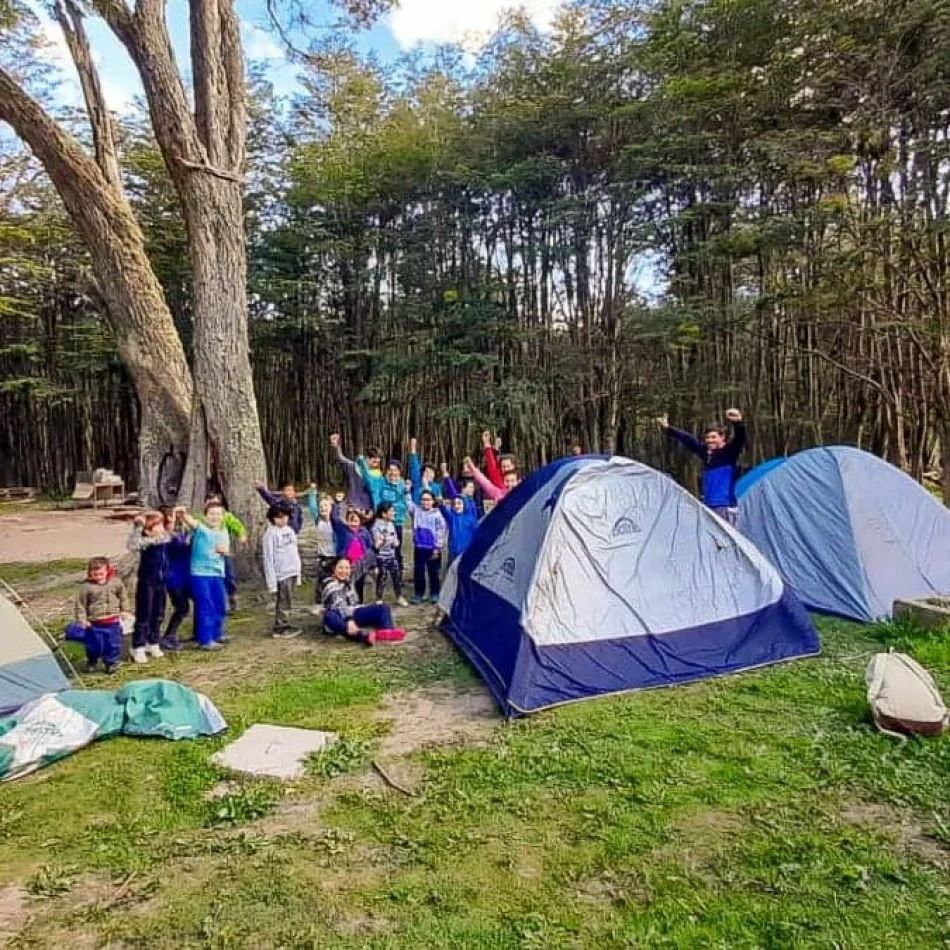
(70, 19)
(144, 34)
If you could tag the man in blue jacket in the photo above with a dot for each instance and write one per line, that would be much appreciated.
(719, 457)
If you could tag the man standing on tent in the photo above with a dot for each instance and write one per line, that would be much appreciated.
(719, 459)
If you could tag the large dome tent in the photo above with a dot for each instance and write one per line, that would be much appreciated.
(848, 531)
(28, 668)
(598, 575)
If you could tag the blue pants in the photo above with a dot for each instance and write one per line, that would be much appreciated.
(211, 605)
(179, 596)
(376, 616)
(230, 579)
(104, 642)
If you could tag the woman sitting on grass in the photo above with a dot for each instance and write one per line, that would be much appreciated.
(344, 617)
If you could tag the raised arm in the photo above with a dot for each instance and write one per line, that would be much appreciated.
(312, 506)
(268, 496)
(189, 519)
(449, 488)
(415, 471)
(491, 461)
(736, 444)
(348, 465)
(488, 489)
(684, 438)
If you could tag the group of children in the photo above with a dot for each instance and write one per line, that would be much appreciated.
(361, 533)
(182, 559)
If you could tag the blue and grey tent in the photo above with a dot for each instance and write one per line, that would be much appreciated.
(27, 667)
(848, 531)
(602, 575)
(754, 474)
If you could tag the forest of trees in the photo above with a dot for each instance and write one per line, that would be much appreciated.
(659, 207)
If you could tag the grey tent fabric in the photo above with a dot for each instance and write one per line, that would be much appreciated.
(849, 532)
(27, 666)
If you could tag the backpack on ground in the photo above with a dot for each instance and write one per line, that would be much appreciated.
(903, 697)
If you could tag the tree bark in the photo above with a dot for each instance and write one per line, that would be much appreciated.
(204, 153)
(225, 417)
(145, 332)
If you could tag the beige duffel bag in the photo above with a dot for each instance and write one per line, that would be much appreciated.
(903, 697)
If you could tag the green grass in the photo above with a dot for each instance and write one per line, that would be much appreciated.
(27, 573)
(758, 811)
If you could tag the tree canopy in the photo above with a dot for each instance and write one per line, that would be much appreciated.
(664, 207)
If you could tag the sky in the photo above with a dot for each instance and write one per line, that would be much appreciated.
(413, 24)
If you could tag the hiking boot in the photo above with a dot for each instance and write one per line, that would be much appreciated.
(154, 650)
(402, 602)
(139, 655)
(210, 647)
(287, 634)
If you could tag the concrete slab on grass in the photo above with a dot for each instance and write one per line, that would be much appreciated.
(273, 751)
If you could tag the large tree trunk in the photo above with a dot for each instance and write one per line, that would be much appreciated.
(225, 421)
(144, 329)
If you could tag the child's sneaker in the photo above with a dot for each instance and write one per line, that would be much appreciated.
(402, 602)
(111, 668)
(139, 655)
(170, 644)
(391, 636)
(416, 601)
(154, 650)
(232, 603)
(92, 667)
(367, 637)
(434, 599)
(210, 647)
(288, 634)
(317, 610)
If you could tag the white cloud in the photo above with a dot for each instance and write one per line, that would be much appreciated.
(259, 44)
(467, 22)
(120, 84)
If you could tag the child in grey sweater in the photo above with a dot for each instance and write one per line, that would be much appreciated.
(281, 567)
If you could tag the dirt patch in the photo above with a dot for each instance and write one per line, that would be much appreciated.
(911, 836)
(38, 536)
(439, 716)
(13, 910)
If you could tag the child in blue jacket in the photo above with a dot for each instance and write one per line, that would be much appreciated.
(460, 516)
(719, 458)
(422, 477)
(176, 578)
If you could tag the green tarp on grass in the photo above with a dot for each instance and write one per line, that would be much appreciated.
(57, 724)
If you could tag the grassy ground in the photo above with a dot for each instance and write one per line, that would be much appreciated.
(758, 811)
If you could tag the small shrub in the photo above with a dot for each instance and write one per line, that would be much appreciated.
(247, 804)
(345, 755)
(50, 881)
